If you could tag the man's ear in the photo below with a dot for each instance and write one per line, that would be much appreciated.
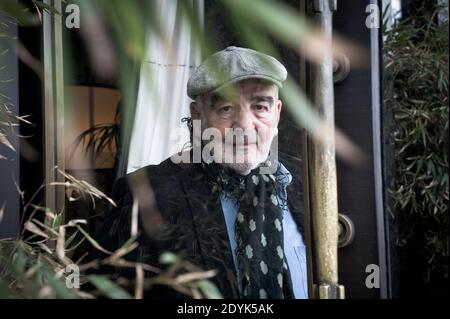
(195, 111)
(278, 110)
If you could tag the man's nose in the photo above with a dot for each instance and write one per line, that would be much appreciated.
(244, 120)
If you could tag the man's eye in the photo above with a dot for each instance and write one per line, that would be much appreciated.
(261, 108)
(225, 109)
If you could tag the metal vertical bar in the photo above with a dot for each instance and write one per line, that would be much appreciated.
(59, 93)
(54, 154)
(377, 156)
(322, 166)
(49, 109)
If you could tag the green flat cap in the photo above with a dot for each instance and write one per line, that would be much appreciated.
(232, 65)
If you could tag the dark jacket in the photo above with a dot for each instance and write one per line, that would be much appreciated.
(179, 213)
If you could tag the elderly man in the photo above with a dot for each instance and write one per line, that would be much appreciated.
(235, 208)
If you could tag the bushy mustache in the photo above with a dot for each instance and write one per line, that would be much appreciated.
(241, 137)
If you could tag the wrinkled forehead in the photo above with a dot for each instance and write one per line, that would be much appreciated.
(257, 85)
(248, 88)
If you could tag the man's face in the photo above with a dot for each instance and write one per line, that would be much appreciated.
(252, 108)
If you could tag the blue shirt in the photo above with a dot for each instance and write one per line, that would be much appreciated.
(294, 247)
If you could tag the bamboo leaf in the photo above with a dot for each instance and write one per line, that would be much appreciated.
(59, 288)
(92, 240)
(209, 289)
(71, 238)
(109, 288)
(30, 226)
(168, 258)
(46, 7)
(4, 140)
(2, 212)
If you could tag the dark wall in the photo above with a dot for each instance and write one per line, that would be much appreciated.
(353, 115)
(25, 86)
(31, 104)
(9, 166)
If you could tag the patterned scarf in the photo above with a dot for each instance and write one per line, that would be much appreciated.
(264, 272)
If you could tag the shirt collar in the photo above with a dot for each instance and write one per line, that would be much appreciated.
(283, 176)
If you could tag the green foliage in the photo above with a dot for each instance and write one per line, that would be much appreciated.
(39, 264)
(416, 57)
(33, 267)
(109, 288)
